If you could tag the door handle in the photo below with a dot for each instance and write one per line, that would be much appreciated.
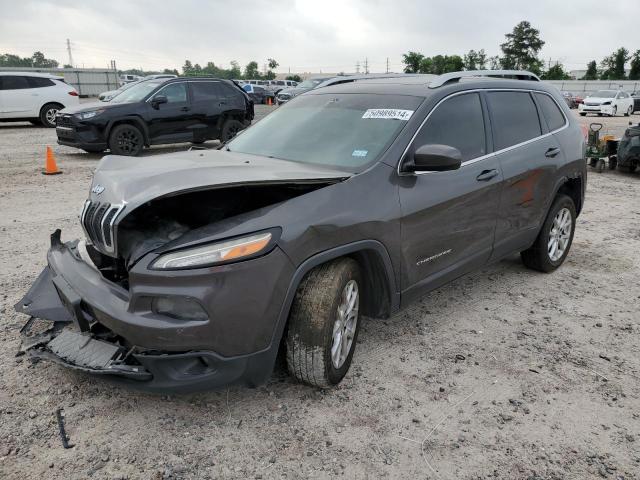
(185, 109)
(487, 175)
(552, 152)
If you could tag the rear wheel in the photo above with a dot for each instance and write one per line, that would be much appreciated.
(324, 323)
(614, 112)
(126, 139)
(554, 240)
(48, 114)
(230, 129)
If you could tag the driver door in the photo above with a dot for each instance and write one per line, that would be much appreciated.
(449, 218)
(173, 121)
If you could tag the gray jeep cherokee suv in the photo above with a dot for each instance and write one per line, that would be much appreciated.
(352, 201)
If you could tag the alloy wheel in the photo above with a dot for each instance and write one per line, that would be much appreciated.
(128, 141)
(344, 328)
(559, 234)
(50, 115)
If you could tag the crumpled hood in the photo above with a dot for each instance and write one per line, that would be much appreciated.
(134, 181)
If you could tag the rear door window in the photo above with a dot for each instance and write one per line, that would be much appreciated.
(205, 91)
(550, 111)
(457, 122)
(13, 82)
(514, 118)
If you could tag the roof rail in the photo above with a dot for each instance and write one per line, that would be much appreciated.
(455, 76)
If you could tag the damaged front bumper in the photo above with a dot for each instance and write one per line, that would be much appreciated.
(82, 321)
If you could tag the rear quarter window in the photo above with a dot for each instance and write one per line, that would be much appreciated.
(39, 82)
(550, 111)
(205, 91)
(514, 118)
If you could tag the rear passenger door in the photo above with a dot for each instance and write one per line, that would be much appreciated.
(209, 101)
(17, 99)
(449, 218)
(529, 156)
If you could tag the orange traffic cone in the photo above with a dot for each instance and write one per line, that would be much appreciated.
(50, 167)
(269, 101)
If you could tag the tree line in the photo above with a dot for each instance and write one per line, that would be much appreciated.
(520, 51)
(37, 60)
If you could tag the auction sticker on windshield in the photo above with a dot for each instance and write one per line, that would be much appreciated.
(388, 113)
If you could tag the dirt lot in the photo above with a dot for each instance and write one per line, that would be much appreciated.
(505, 373)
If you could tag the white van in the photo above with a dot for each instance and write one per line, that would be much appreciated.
(34, 97)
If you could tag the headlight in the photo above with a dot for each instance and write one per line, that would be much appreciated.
(88, 115)
(215, 253)
(606, 103)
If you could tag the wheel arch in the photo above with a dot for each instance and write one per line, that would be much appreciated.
(131, 120)
(377, 270)
(573, 187)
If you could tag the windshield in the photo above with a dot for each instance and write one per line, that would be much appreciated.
(604, 94)
(344, 131)
(138, 92)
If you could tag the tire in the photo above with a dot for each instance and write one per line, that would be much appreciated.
(583, 114)
(48, 114)
(316, 328)
(230, 129)
(126, 139)
(629, 111)
(613, 162)
(615, 111)
(600, 166)
(538, 256)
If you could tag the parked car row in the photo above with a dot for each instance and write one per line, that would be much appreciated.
(258, 93)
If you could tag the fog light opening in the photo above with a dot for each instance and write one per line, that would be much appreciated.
(181, 308)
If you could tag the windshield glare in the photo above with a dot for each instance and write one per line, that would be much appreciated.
(311, 83)
(604, 94)
(344, 131)
(137, 92)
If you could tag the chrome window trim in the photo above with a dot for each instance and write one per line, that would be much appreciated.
(488, 155)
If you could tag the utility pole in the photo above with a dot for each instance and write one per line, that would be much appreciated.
(366, 66)
(387, 65)
(358, 67)
(69, 52)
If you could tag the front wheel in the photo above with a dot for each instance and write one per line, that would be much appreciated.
(629, 111)
(554, 240)
(126, 139)
(324, 323)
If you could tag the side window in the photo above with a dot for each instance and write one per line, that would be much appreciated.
(228, 90)
(514, 118)
(457, 122)
(39, 82)
(280, 82)
(175, 93)
(205, 91)
(14, 82)
(550, 111)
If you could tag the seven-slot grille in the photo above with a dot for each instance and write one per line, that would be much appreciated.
(97, 221)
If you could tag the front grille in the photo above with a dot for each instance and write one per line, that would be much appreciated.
(97, 220)
(64, 121)
(592, 104)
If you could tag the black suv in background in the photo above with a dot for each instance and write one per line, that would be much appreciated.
(157, 111)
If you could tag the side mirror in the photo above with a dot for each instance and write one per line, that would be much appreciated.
(158, 100)
(435, 158)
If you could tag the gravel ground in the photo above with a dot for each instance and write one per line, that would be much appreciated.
(505, 373)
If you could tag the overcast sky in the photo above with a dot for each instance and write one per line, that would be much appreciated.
(307, 35)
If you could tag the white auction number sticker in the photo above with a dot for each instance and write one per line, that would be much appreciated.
(388, 113)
